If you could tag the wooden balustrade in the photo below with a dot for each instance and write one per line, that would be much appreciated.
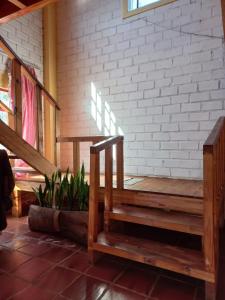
(19, 69)
(107, 146)
(214, 187)
(76, 141)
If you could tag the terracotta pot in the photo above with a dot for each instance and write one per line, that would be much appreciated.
(43, 219)
(74, 225)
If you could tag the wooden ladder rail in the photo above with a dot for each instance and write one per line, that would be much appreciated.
(214, 188)
(107, 146)
(19, 69)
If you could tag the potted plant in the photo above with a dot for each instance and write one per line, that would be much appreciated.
(63, 206)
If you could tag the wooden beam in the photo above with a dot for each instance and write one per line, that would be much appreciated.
(26, 10)
(223, 15)
(12, 141)
(18, 3)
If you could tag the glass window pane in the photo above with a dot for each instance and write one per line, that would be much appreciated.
(4, 97)
(132, 4)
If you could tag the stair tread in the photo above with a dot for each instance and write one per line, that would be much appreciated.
(178, 221)
(173, 258)
(24, 170)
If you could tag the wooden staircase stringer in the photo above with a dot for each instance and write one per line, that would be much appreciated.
(12, 141)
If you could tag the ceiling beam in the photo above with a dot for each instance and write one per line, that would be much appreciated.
(26, 10)
(17, 3)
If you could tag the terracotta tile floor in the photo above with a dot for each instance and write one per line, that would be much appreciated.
(40, 266)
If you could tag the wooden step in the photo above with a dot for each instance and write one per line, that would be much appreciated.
(154, 217)
(188, 204)
(24, 170)
(181, 260)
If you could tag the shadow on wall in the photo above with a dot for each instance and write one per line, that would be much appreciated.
(103, 115)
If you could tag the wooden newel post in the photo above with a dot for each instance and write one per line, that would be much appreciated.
(119, 164)
(16, 82)
(108, 185)
(76, 157)
(93, 202)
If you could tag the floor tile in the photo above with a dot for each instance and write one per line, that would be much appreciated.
(17, 242)
(139, 280)
(6, 237)
(85, 287)
(32, 269)
(56, 254)
(167, 288)
(35, 248)
(10, 285)
(10, 260)
(33, 293)
(57, 279)
(78, 261)
(116, 293)
(106, 269)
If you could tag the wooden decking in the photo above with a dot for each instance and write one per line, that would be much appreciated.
(184, 187)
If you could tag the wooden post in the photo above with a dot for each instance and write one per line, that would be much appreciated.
(76, 157)
(108, 186)
(39, 134)
(119, 165)
(93, 203)
(208, 238)
(16, 77)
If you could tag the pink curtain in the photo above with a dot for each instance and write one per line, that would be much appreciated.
(29, 115)
(29, 111)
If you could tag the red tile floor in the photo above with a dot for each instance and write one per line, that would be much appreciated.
(40, 266)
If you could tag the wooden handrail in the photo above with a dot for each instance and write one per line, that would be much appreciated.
(107, 146)
(214, 135)
(71, 139)
(5, 108)
(11, 53)
(103, 145)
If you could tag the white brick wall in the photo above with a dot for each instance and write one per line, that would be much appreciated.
(163, 89)
(24, 35)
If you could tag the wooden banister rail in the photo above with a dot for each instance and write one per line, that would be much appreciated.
(76, 141)
(214, 189)
(12, 55)
(95, 150)
(20, 69)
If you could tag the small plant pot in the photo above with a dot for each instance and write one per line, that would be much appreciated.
(74, 225)
(43, 219)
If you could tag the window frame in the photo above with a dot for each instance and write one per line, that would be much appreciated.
(127, 13)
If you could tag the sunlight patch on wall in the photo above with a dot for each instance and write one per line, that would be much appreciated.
(103, 115)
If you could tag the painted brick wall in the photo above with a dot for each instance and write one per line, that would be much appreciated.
(24, 35)
(161, 88)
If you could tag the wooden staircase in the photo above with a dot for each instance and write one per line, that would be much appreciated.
(12, 141)
(11, 136)
(197, 216)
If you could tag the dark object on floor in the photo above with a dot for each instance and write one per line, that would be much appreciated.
(7, 184)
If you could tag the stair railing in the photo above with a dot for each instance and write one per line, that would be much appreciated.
(76, 149)
(19, 68)
(214, 190)
(94, 196)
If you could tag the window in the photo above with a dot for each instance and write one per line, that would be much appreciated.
(4, 97)
(133, 7)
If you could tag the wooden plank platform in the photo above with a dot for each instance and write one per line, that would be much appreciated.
(182, 203)
(160, 218)
(181, 260)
